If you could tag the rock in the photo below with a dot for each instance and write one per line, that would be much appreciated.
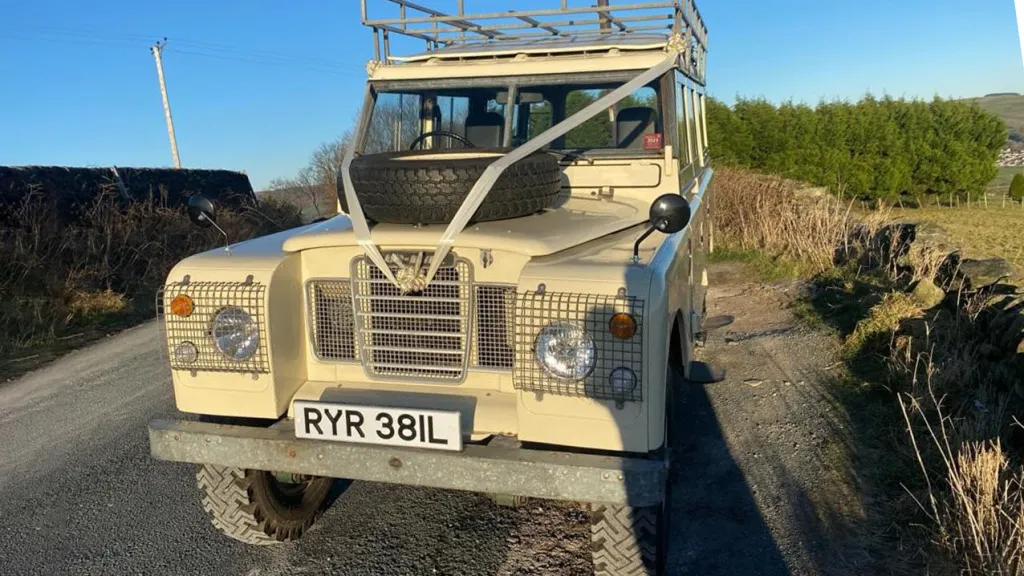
(927, 295)
(983, 273)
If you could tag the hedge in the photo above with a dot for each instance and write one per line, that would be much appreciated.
(875, 148)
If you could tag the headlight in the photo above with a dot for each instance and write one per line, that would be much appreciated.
(565, 351)
(235, 334)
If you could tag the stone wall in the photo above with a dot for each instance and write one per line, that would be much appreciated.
(985, 286)
(70, 190)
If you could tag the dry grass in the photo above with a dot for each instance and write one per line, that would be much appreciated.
(975, 499)
(55, 279)
(772, 216)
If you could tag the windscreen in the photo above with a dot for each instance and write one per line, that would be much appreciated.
(441, 119)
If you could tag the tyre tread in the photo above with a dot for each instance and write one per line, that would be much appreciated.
(624, 540)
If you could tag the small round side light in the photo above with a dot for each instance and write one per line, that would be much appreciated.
(182, 306)
(622, 326)
(186, 353)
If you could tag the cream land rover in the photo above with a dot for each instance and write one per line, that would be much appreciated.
(512, 288)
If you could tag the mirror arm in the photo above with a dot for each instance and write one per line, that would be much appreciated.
(650, 230)
(227, 243)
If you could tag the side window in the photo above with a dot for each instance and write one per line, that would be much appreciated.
(698, 120)
(395, 123)
(702, 121)
(683, 142)
(691, 125)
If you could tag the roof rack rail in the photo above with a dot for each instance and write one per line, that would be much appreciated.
(440, 30)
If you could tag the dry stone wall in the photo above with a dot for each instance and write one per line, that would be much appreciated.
(69, 191)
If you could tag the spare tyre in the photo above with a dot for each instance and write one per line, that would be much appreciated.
(429, 186)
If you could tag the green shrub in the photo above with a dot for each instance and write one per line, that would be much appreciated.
(1017, 186)
(875, 148)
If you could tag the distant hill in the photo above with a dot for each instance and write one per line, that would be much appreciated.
(1009, 107)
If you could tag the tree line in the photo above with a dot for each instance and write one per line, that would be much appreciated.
(874, 148)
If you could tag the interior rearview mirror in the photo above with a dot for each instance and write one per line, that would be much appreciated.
(201, 211)
(522, 97)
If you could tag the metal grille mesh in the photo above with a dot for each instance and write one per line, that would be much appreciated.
(416, 336)
(591, 312)
(208, 298)
(332, 322)
(495, 327)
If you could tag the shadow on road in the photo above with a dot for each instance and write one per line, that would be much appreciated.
(716, 527)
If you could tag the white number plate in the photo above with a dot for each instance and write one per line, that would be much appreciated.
(431, 429)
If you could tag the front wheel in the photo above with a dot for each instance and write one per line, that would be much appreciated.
(625, 540)
(257, 507)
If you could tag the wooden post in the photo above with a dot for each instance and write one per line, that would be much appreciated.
(157, 51)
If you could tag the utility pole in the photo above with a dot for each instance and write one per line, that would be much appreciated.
(157, 51)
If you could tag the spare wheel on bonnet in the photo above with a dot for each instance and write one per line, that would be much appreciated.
(429, 186)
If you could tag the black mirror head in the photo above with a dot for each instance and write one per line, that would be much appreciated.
(201, 211)
(670, 213)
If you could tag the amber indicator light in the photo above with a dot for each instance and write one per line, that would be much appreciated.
(622, 326)
(182, 306)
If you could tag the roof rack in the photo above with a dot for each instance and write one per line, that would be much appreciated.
(440, 30)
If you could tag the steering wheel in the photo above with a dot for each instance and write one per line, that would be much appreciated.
(452, 135)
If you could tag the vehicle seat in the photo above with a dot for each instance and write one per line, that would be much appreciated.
(632, 124)
(486, 130)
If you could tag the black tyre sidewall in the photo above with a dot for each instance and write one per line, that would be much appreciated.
(286, 513)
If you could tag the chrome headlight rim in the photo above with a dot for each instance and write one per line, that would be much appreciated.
(588, 347)
(248, 340)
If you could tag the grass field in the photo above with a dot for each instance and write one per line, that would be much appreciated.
(983, 233)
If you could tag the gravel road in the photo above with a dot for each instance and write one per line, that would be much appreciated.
(79, 493)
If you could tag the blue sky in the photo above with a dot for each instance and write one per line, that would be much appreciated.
(255, 85)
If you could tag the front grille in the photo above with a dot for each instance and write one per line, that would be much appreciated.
(331, 320)
(208, 299)
(591, 312)
(495, 327)
(419, 336)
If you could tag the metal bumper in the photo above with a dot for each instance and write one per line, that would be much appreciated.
(485, 469)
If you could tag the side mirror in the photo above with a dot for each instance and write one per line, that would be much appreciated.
(201, 211)
(203, 214)
(669, 214)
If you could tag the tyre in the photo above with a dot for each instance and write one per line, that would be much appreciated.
(625, 540)
(633, 541)
(257, 507)
(428, 186)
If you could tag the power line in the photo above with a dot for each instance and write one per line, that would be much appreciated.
(191, 47)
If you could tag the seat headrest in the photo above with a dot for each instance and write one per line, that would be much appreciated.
(486, 130)
(632, 124)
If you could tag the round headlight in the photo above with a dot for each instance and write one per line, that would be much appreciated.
(565, 350)
(235, 334)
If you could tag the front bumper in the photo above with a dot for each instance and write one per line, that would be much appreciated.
(485, 469)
